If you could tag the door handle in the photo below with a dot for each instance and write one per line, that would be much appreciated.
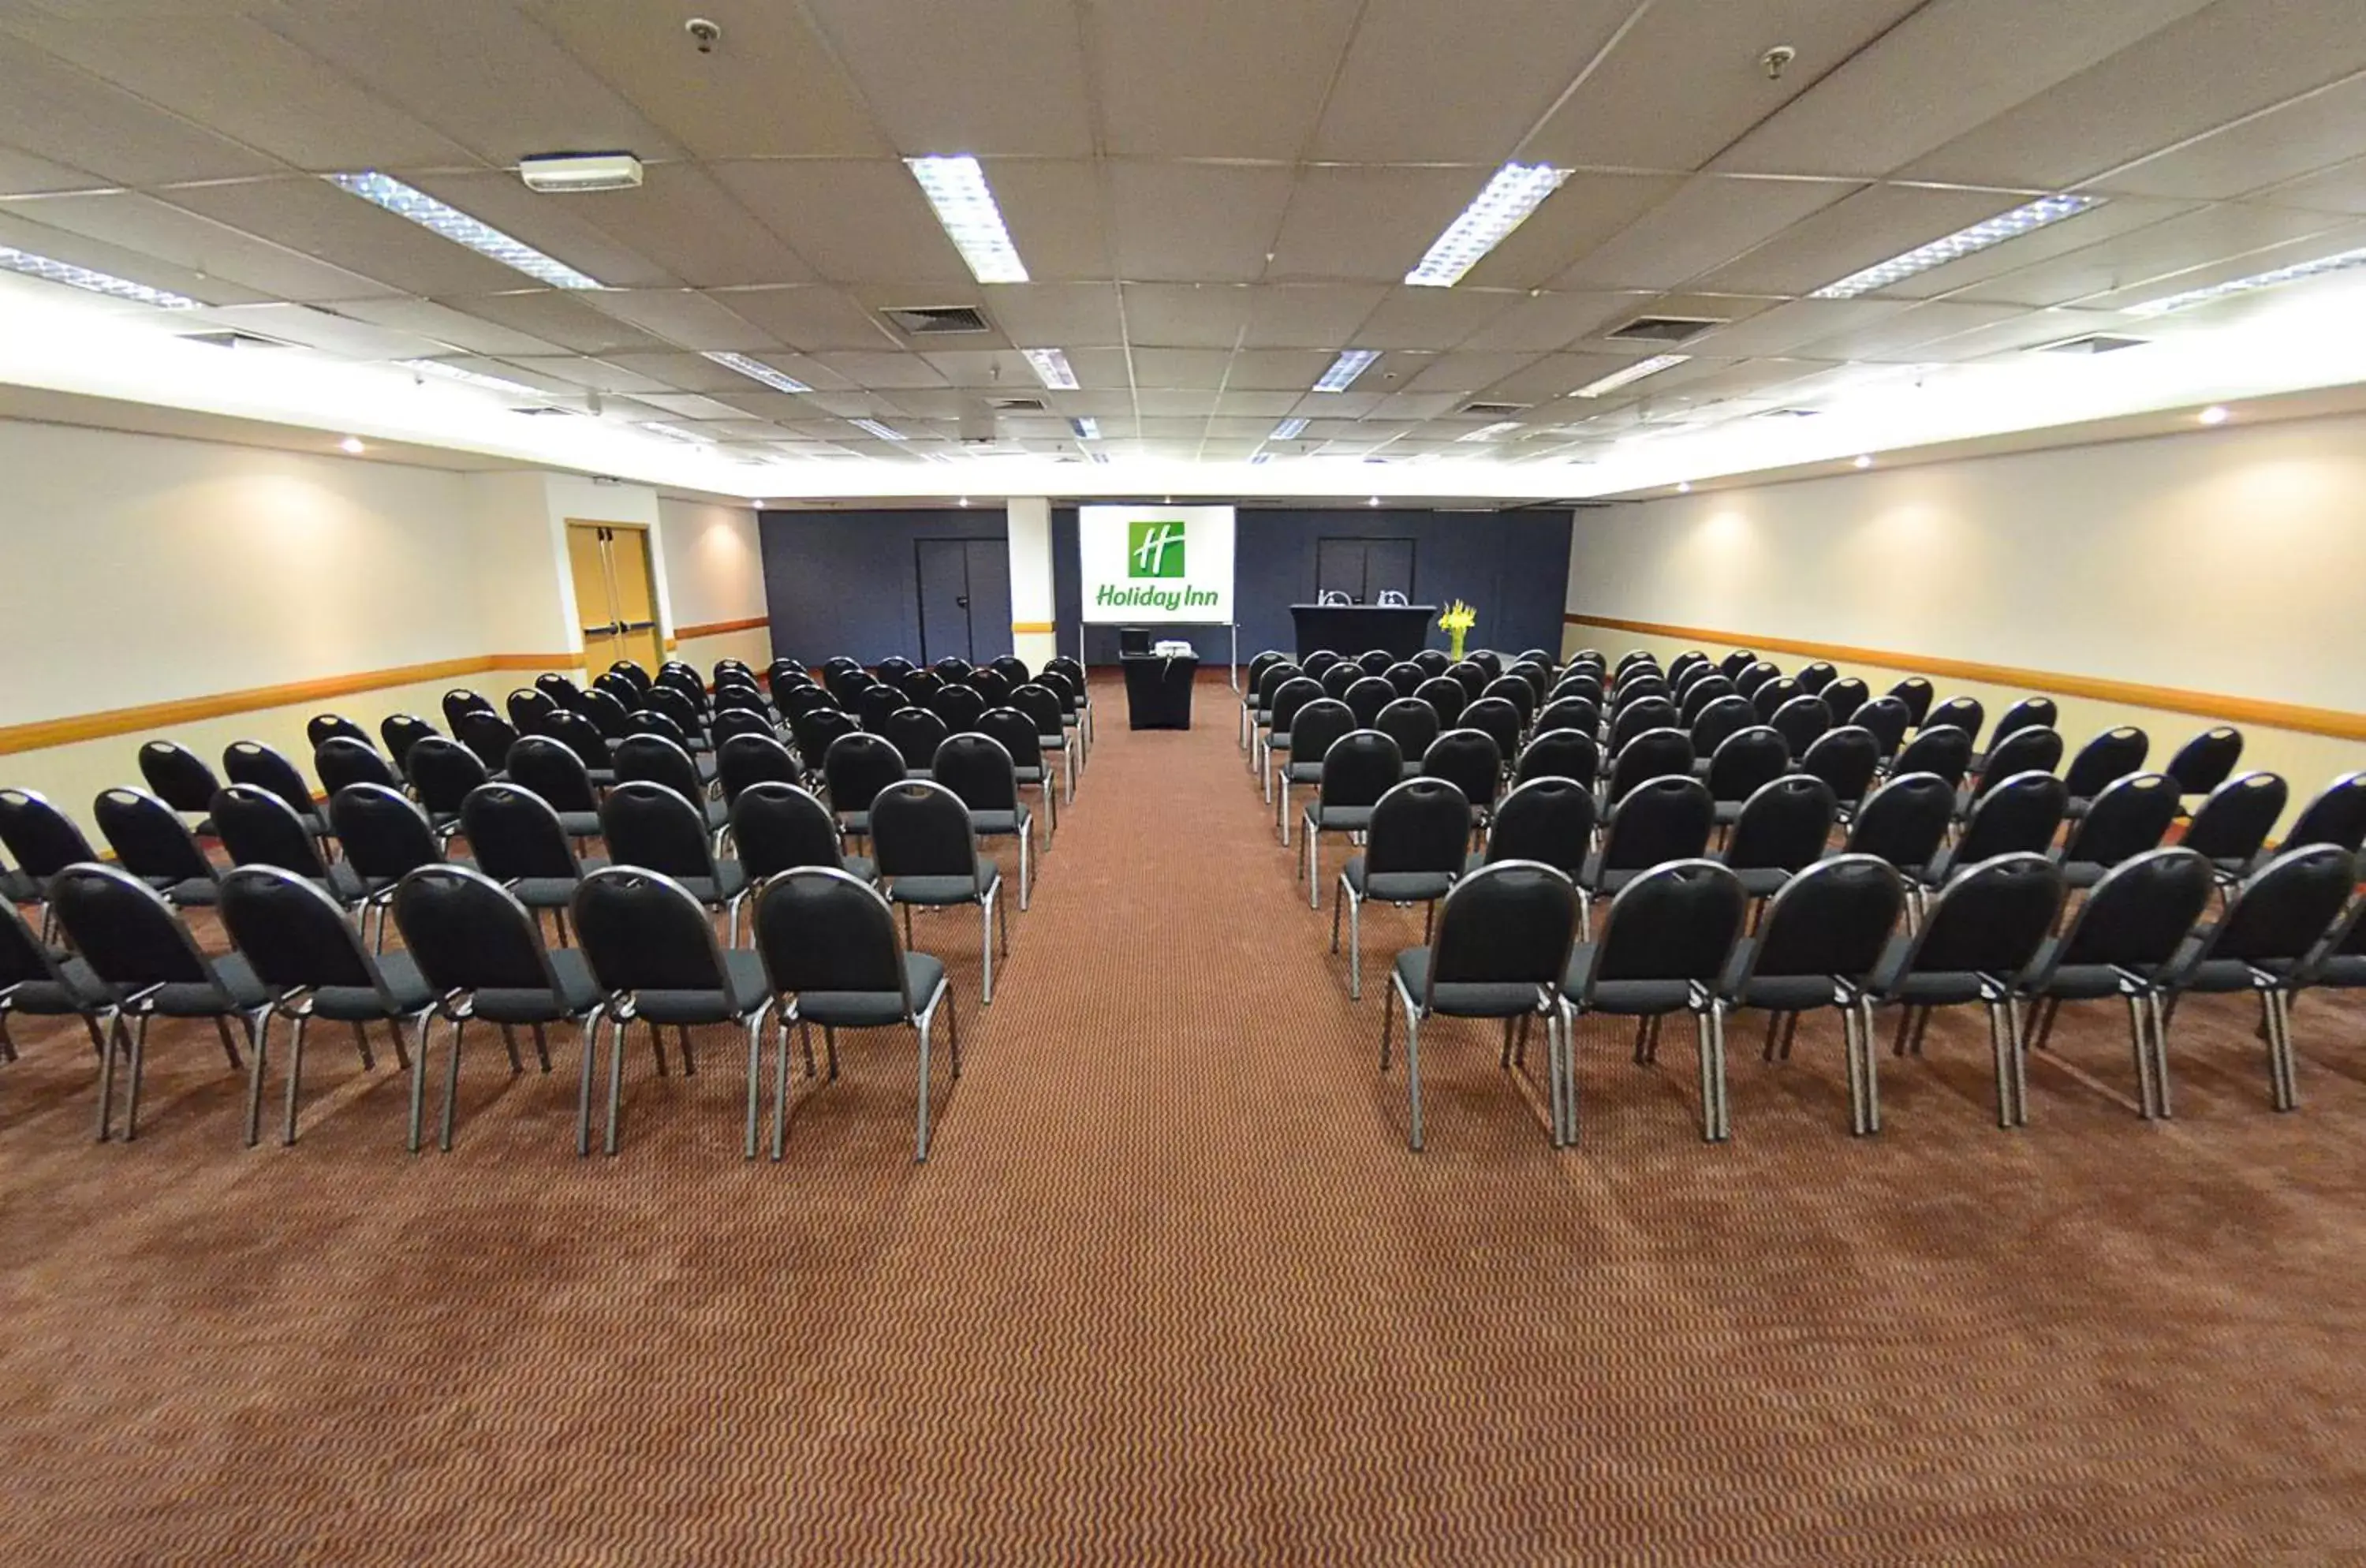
(962, 600)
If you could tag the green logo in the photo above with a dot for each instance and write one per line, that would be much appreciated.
(1154, 550)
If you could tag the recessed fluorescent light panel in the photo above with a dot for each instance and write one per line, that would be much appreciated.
(1288, 430)
(1257, 458)
(879, 430)
(674, 433)
(757, 370)
(1052, 368)
(1634, 372)
(2340, 262)
(462, 230)
(1346, 369)
(444, 371)
(1962, 242)
(956, 188)
(1488, 431)
(74, 277)
(1086, 428)
(1516, 190)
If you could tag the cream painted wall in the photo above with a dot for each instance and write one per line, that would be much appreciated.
(1030, 538)
(2225, 561)
(716, 574)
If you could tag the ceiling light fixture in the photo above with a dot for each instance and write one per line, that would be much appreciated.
(1373, 501)
(1344, 370)
(352, 446)
(1489, 431)
(1634, 372)
(561, 172)
(1051, 368)
(1257, 458)
(1684, 486)
(1863, 461)
(674, 433)
(2214, 414)
(2340, 261)
(756, 370)
(74, 277)
(1288, 430)
(879, 430)
(1087, 427)
(460, 229)
(1516, 190)
(1989, 232)
(964, 501)
(444, 370)
(956, 188)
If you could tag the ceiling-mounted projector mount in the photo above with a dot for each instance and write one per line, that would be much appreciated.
(564, 172)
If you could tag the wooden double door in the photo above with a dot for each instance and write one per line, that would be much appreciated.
(616, 596)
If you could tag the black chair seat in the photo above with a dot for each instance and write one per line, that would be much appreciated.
(2076, 982)
(1027, 775)
(1761, 881)
(1397, 887)
(1942, 987)
(1339, 818)
(343, 883)
(240, 991)
(601, 778)
(586, 824)
(874, 1009)
(729, 881)
(919, 773)
(1052, 742)
(189, 893)
(999, 824)
(861, 867)
(1312, 772)
(19, 888)
(2083, 872)
(1729, 812)
(1778, 993)
(361, 1004)
(578, 993)
(941, 890)
(81, 992)
(1478, 999)
(743, 975)
(550, 892)
(1412, 769)
(855, 822)
(2344, 969)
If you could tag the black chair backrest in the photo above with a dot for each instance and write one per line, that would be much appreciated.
(1784, 825)
(1471, 676)
(1754, 675)
(123, 928)
(178, 775)
(558, 688)
(649, 721)
(1640, 685)
(1771, 695)
(341, 760)
(821, 929)
(977, 769)
(1887, 717)
(656, 759)
(1068, 670)
(460, 700)
(1916, 693)
(816, 727)
(1559, 753)
(1320, 663)
(1677, 922)
(2337, 816)
(1845, 696)
(1042, 705)
(259, 828)
(1361, 766)
(150, 840)
(2022, 812)
(1846, 758)
(513, 834)
(2114, 754)
(468, 934)
(1664, 818)
(1257, 665)
(642, 931)
(922, 828)
(1835, 917)
(1339, 677)
(1748, 759)
(1515, 691)
(802, 700)
(959, 707)
(552, 770)
(443, 772)
(2130, 816)
(1719, 720)
(733, 722)
(1940, 749)
(991, 685)
(1372, 660)
(1291, 696)
(1447, 698)
(1801, 722)
(1654, 754)
(1964, 713)
(872, 709)
(41, 838)
(529, 709)
(1071, 692)
(1549, 820)
(1989, 919)
(672, 701)
(321, 727)
(1411, 722)
(252, 762)
(294, 935)
(1432, 661)
(2141, 912)
(1317, 726)
(777, 826)
(1510, 922)
(858, 766)
(916, 733)
(1706, 686)
(2030, 712)
(1732, 664)
(1498, 718)
(1468, 760)
(1404, 677)
(2235, 821)
(23, 956)
(2207, 761)
(609, 714)
(630, 671)
(1420, 825)
(657, 828)
(581, 736)
(2285, 909)
(381, 831)
(1367, 697)
(1905, 820)
(1814, 678)
(1570, 713)
(486, 733)
(1271, 682)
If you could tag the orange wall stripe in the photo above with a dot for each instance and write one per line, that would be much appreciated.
(2339, 723)
(73, 727)
(1024, 628)
(718, 628)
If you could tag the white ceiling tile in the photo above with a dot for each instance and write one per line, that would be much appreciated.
(1002, 371)
(1201, 369)
(1460, 372)
(1215, 78)
(1320, 315)
(152, 227)
(571, 370)
(685, 318)
(1169, 401)
(883, 370)
(1586, 210)
(810, 318)
(689, 227)
(688, 405)
(1789, 324)
(2022, 328)
(1418, 405)
(1005, 78)
(444, 324)
(1708, 222)
(1276, 369)
(1877, 223)
(2120, 215)
(319, 328)
(1195, 222)
(2338, 190)
(1336, 405)
(1186, 315)
(21, 174)
(1433, 318)
(1367, 224)
(854, 222)
(2309, 133)
(2331, 241)
(1541, 381)
(19, 232)
(560, 318)
(1888, 337)
(62, 114)
(2197, 239)
(1054, 211)
(1055, 315)
(1266, 405)
(316, 218)
(1548, 321)
(559, 226)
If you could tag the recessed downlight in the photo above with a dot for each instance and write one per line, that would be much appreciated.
(1863, 461)
(352, 446)
(2215, 413)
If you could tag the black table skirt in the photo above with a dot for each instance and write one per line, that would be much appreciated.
(1158, 691)
(1402, 630)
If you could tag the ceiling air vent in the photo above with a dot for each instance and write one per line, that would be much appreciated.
(2093, 342)
(1495, 411)
(1789, 413)
(548, 408)
(1016, 405)
(935, 320)
(1664, 329)
(227, 339)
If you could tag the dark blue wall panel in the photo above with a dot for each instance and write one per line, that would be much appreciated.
(848, 582)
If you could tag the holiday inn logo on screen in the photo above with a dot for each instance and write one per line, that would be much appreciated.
(1154, 550)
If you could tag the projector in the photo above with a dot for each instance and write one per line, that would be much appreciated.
(564, 172)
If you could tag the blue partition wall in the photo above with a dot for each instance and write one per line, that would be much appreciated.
(849, 581)
(1513, 567)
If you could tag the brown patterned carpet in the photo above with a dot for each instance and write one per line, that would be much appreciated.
(1172, 1288)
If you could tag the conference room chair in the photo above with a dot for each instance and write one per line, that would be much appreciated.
(736, 697)
(1274, 738)
(919, 685)
(1316, 727)
(1845, 696)
(1414, 726)
(816, 731)
(1471, 761)
(959, 707)
(151, 842)
(1490, 663)
(257, 828)
(1433, 662)
(517, 839)
(653, 826)
(2122, 942)
(1404, 677)
(609, 715)
(2131, 816)
(1940, 749)
(682, 678)
(552, 770)
(1414, 852)
(488, 734)
(1358, 769)
(1642, 715)
(251, 762)
(1521, 697)
(1637, 689)
(460, 700)
(1783, 828)
(2273, 924)
(1846, 759)
(1660, 819)
(2229, 828)
(1813, 677)
(1981, 932)
(2339, 961)
(592, 749)
(649, 721)
(386, 837)
(321, 727)
(2029, 713)
(728, 723)
(1580, 714)
(40, 981)
(1367, 697)
(1713, 691)
(1339, 677)
(1079, 692)
(777, 827)
(1816, 947)
(916, 733)
(558, 688)
(307, 954)
(1559, 753)
(1499, 718)
(629, 673)
(1251, 678)
(617, 689)
(341, 760)
(42, 839)
(1654, 754)
(1549, 820)
(1888, 720)
(2107, 758)
(1500, 944)
(1670, 939)
(2023, 752)
(2207, 761)
(400, 732)
(893, 668)
(803, 700)
(2337, 816)
(688, 717)
(1045, 711)
(654, 758)
(1470, 675)
(1636, 656)
(1011, 668)
(147, 965)
(653, 957)
(1319, 664)
(978, 768)
(1717, 721)
(928, 856)
(1905, 822)
(1734, 663)
(529, 709)
(1373, 660)
(1963, 713)
(1771, 695)
(1916, 695)
(181, 779)
(1684, 665)
(1802, 721)
(1755, 677)
(1076, 711)
(1580, 684)
(855, 769)
(785, 671)
(746, 760)
(440, 773)
(832, 958)
(874, 707)
(2017, 815)
(990, 685)
(1446, 698)
(1743, 763)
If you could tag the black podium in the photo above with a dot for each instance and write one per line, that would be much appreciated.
(1158, 691)
(1401, 630)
